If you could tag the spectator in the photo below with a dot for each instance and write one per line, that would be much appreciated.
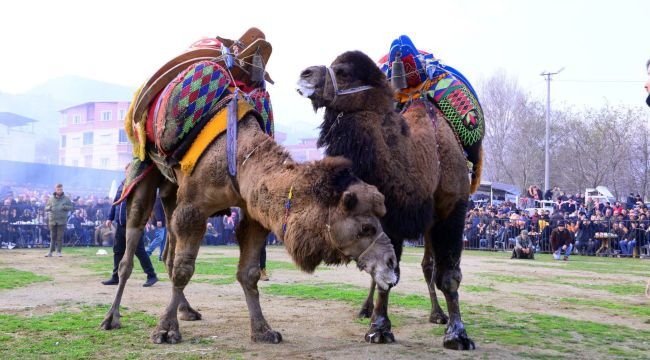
(523, 247)
(210, 235)
(158, 240)
(58, 207)
(118, 215)
(229, 229)
(561, 240)
(104, 235)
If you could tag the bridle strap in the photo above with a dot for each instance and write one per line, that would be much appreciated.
(337, 91)
(337, 248)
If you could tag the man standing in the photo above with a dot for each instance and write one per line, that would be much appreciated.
(118, 214)
(58, 207)
(561, 240)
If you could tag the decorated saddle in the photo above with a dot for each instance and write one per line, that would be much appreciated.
(184, 117)
(452, 94)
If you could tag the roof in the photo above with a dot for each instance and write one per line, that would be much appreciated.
(12, 120)
(511, 189)
(94, 102)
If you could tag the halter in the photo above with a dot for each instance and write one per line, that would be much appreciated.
(337, 91)
(338, 249)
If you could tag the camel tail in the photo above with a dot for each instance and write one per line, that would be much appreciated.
(476, 172)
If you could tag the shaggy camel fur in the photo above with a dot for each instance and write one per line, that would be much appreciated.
(415, 161)
(333, 218)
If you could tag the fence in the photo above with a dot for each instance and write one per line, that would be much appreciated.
(600, 237)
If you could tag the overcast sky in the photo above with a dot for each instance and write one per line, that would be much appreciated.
(603, 45)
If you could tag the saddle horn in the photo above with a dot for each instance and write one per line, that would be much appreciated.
(398, 75)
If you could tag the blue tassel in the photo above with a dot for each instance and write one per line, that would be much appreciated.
(231, 135)
(225, 51)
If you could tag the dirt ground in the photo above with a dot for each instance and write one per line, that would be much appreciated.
(311, 329)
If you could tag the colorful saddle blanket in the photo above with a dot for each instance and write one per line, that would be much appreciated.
(185, 118)
(445, 86)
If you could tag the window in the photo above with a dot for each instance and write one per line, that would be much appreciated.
(105, 139)
(107, 115)
(88, 138)
(122, 114)
(103, 163)
(63, 139)
(76, 119)
(75, 163)
(123, 138)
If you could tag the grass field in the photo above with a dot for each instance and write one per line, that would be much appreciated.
(543, 309)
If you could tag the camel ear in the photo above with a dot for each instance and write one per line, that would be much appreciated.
(350, 200)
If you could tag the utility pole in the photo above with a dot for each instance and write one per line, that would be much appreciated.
(547, 158)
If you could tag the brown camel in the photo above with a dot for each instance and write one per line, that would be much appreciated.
(415, 160)
(333, 218)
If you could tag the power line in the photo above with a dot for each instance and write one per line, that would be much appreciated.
(602, 81)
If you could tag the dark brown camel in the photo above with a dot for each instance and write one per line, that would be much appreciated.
(333, 218)
(415, 161)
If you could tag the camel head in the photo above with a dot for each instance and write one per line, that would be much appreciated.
(352, 83)
(339, 221)
(355, 230)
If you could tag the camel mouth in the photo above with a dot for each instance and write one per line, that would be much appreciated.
(305, 89)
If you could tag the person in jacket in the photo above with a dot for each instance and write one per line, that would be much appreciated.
(118, 217)
(561, 240)
(57, 208)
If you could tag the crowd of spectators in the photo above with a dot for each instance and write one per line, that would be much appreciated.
(596, 226)
(23, 221)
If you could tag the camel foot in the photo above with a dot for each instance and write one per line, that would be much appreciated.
(458, 340)
(111, 321)
(269, 336)
(438, 317)
(365, 312)
(166, 332)
(380, 332)
(186, 313)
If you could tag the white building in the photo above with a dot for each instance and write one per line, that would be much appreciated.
(17, 138)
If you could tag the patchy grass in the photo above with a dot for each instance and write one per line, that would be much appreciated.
(224, 267)
(553, 336)
(76, 335)
(11, 278)
(73, 335)
(616, 307)
(506, 278)
(476, 288)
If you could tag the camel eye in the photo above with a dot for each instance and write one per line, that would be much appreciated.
(367, 230)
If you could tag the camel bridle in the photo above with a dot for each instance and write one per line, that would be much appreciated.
(337, 91)
(328, 227)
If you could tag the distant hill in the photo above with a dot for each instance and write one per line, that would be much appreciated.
(73, 90)
(43, 102)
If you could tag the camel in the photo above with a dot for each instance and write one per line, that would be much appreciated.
(333, 218)
(415, 160)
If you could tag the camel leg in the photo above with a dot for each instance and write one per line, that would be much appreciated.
(368, 305)
(168, 193)
(188, 227)
(380, 331)
(139, 206)
(437, 314)
(251, 236)
(447, 247)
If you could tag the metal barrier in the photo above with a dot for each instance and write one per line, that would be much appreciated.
(598, 237)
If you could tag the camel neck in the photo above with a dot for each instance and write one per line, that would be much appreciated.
(266, 176)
